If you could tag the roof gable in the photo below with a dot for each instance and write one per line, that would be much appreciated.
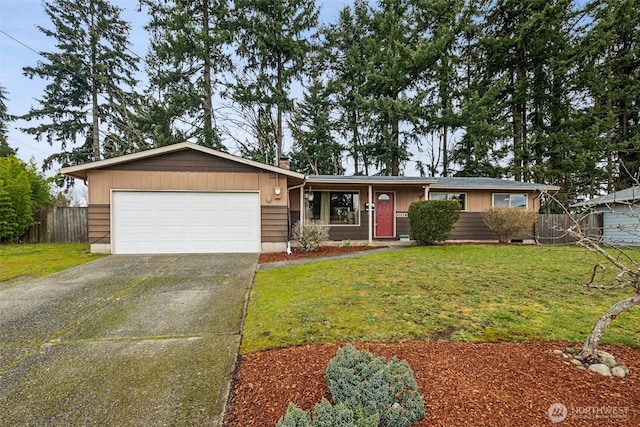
(176, 156)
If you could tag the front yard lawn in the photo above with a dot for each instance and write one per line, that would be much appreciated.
(476, 293)
(40, 259)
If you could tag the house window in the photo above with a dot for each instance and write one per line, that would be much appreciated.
(334, 207)
(510, 200)
(458, 197)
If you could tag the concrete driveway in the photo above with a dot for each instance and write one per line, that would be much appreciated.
(124, 340)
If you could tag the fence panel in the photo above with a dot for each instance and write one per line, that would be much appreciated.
(59, 225)
(552, 227)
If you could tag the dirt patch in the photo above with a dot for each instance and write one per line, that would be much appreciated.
(323, 251)
(463, 384)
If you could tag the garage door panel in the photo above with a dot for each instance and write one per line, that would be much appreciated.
(185, 222)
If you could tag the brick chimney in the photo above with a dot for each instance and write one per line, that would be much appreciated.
(284, 162)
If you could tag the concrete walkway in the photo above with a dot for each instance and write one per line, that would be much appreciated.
(124, 340)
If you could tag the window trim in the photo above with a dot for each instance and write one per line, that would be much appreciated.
(526, 199)
(358, 216)
(448, 193)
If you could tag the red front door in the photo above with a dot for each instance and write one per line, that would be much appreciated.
(385, 215)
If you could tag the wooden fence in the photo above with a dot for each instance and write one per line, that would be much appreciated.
(551, 228)
(59, 225)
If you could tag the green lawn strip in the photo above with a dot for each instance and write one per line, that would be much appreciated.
(41, 259)
(480, 293)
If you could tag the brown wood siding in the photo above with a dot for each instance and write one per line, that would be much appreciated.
(274, 223)
(99, 220)
(184, 161)
(403, 226)
(351, 232)
(471, 226)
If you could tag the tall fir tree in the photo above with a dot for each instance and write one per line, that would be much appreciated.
(91, 76)
(186, 61)
(344, 44)
(274, 42)
(5, 118)
(610, 50)
(315, 150)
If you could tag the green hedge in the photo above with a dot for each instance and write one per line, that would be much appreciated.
(432, 220)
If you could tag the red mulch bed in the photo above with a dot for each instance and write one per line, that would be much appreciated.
(322, 251)
(463, 384)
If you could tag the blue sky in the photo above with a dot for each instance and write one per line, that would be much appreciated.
(19, 19)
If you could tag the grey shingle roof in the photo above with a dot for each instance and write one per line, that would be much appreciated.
(627, 195)
(490, 183)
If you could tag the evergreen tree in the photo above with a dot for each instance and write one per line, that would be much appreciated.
(346, 64)
(185, 63)
(5, 148)
(315, 150)
(91, 81)
(610, 50)
(273, 39)
(409, 37)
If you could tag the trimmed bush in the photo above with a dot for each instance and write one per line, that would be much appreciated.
(432, 220)
(508, 222)
(368, 392)
(310, 235)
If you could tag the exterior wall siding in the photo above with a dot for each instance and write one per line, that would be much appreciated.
(471, 226)
(620, 224)
(274, 220)
(99, 223)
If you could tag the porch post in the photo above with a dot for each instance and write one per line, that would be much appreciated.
(426, 192)
(370, 215)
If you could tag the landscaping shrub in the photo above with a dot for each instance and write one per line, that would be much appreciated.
(310, 235)
(368, 392)
(508, 222)
(22, 191)
(360, 379)
(432, 220)
(327, 415)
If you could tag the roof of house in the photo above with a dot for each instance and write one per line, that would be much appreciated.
(468, 183)
(359, 179)
(80, 171)
(627, 195)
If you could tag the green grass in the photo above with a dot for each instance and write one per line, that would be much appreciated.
(40, 259)
(461, 293)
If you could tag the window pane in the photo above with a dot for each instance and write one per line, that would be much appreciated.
(518, 201)
(500, 200)
(459, 197)
(343, 208)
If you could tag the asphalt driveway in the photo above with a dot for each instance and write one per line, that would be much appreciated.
(124, 340)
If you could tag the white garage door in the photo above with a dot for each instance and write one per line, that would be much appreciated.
(154, 222)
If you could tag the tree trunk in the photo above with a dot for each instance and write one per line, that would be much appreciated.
(207, 103)
(395, 159)
(588, 352)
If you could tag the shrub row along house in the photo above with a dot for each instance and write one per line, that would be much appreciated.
(185, 198)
